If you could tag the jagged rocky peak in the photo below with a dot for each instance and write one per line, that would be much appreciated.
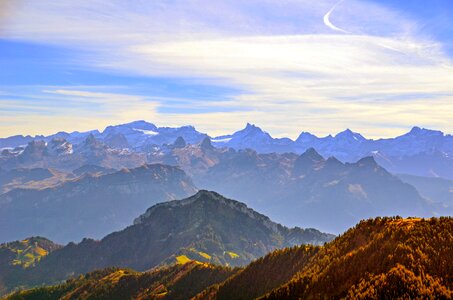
(59, 146)
(116, 140)
(350, 135)
(417, 131)
(57, 141)
(307, 161)
(92, 141)
(252, 129)
(35, 148)
(206, 144)
(35, 144)
(179, 142)
(306, 137)
(367, 161)
(332, 164)
(312, 155)
(250, 126)
(333, 161)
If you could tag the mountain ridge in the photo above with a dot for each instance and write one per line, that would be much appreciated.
(420, 151)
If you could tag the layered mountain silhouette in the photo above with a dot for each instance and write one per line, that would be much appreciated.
(91, 205)
(72, 185)
(205, 228)
(304, 190)
(377, 259)
(420, 152)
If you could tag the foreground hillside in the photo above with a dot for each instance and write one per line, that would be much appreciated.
(395, 258)
(383, 258)
(176, 282)
(205, 227)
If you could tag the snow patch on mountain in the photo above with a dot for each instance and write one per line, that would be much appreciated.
(147, 132)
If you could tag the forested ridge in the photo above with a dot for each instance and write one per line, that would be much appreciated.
(382, 258)
(175, 282)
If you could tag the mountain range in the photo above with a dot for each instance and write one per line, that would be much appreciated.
(383, 258)
(205, 227)
(304, 190)
(420, 152)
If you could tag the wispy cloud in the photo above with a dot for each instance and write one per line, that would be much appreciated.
(329, 24)
(368, 69)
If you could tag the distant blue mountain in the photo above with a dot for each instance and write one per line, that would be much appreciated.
(137, 135)
(141, 135)
(422, 152)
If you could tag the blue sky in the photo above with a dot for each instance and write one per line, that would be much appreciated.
(377, 67)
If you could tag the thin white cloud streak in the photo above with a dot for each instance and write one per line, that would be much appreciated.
(327, 21)
(292, 71)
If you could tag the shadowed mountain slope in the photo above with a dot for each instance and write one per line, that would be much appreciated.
(304, 190)
(308, 190)
(90, 206)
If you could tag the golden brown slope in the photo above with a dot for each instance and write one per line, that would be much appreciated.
(262, 275)
(384, 257)
(176, 282)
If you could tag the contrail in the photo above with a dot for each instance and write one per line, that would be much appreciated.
(327, 21)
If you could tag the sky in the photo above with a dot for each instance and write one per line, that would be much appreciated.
(376, 67)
